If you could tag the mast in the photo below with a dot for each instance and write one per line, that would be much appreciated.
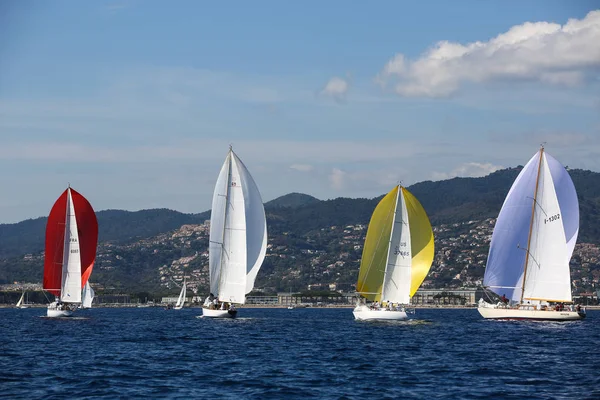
(387, 257)
(537, 182)
(228, 188)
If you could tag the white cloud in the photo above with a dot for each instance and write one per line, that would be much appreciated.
(467, 170)
(534, 51)
(336, 178)
(337, 88)
(301, 167)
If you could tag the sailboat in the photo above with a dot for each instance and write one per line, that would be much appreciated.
(181, 299)
(87, 296)
(396, 257)
(532, 243)
(238, 238)
(22, 303)
(71, 241)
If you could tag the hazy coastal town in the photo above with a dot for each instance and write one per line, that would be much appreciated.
(315, 266)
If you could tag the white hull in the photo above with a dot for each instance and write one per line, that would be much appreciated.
(363, 313)
(54, 313)
(218, 313)
(521, 314)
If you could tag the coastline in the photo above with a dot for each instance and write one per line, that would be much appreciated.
(350, 306)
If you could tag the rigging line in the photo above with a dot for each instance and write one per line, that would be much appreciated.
(538, 204)
(529, 254)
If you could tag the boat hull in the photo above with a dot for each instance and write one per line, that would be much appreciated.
(367, 314)
(532, 315)
(218, 313)
(54, 313)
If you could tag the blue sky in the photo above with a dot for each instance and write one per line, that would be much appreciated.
(135, 102)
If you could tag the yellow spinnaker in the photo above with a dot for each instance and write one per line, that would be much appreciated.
(375, 251)
(421, 239)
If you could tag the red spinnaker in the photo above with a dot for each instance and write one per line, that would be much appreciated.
(87, 229)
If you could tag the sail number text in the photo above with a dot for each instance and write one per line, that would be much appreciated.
(552, 218)
(399, 252)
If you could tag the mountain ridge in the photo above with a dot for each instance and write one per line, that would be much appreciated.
(310, 241)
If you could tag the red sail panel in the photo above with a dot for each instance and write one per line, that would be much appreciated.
(55, 242)
(87, 228)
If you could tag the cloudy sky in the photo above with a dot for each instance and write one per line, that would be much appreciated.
(134, 103)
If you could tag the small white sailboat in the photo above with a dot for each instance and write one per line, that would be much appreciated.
(181, 298)
(396, 258)
(532, 243)
(71, 241)
(87, 296)
(22, 303)
(238, 238)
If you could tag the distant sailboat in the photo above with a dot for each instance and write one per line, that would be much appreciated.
(397, 255)
(71, 241)
(87, 296)
(532, 244)
(238, 238)
(181, 299)
(22, 303)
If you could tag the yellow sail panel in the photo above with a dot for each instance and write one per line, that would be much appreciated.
(375, 251)
(421, 239)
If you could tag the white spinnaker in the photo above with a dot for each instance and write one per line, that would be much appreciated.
(548, 274)
(71, 270)
(88, 296)
(217, 225)
(397, 277)
(232, 285)
(256, 224)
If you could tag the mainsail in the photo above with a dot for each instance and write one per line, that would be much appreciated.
(398, 249)
(71, 241)
(535, 234)
(238, 232)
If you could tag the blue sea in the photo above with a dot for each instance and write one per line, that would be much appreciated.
(294, 354)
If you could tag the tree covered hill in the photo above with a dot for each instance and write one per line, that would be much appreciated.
(113, 225)
(310, 241)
